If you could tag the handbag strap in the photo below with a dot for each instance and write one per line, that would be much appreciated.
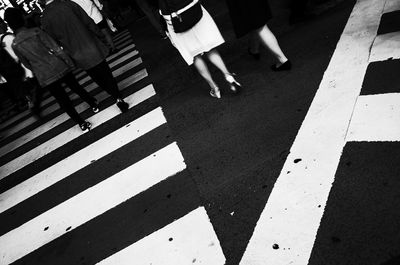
(180, 10)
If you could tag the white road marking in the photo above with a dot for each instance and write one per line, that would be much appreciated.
(123, 45)
(292, 215)
(121, 35)
(81, 107)
(81, 159)
(376, 118)
(66, 136)
(123, 40)
(386, 46)
(193, 242)
(85, 206)
(129, 47)
(391, 5)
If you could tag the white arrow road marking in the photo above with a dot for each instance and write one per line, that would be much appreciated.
(85, 206)
(193, 242)
(81, 159)
(70, 134)
(376, 118)
(292, 217)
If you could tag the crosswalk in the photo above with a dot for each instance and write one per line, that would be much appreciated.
(122, 193)
(39, 159)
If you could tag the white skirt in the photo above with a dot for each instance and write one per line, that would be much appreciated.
(203, 37)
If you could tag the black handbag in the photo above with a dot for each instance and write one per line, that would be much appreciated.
(183, 21)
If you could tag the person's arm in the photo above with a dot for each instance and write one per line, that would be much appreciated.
(98, 4)
(8, 40)
(8, 47)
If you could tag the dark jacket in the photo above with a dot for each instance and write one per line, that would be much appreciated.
(32, 48)
(69, 24)
(248, 15)
(169, 6)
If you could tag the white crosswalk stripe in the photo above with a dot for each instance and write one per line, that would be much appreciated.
(189, 245)
(53, 222)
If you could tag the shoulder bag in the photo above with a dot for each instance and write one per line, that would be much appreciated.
(184, 19)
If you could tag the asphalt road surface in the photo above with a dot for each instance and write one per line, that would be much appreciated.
(301, 168)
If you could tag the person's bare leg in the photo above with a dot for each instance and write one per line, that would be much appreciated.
(270, 41)
(254, 43)
(202, 68)
(215, 58)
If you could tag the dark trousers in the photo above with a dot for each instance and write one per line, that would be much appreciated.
(102, 75)
(17, 90)
(63, 99)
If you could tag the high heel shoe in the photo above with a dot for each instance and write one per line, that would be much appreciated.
(286, 66)
(234, 85)
(215, 92)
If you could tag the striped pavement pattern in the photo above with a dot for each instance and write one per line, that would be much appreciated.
(58, 184)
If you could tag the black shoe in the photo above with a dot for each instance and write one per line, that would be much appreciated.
(85, 126)
(123, 106)
(36, 112)
(95, 108)
(286, 66)
(256, 55)
(114, 51)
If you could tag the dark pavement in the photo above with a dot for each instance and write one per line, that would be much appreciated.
(234, 150)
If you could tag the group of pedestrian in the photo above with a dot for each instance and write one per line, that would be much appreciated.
(17, 86)
(195, 35)
(68, 38)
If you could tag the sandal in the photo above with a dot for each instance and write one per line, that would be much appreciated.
(234, 85)
(215, 92)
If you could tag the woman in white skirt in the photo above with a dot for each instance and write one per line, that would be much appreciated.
(197, 42)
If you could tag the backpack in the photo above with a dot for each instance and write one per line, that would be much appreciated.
(9, 68)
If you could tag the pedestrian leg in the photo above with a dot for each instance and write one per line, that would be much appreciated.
(109, 39)
(270, 42)
(216, 59)
(254, 44)
(202, 68)
(73, 84)
(59, 93)
(102, 75)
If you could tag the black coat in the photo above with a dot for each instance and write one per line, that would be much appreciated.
(248, 15)
(170, 6)
(69, 24)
